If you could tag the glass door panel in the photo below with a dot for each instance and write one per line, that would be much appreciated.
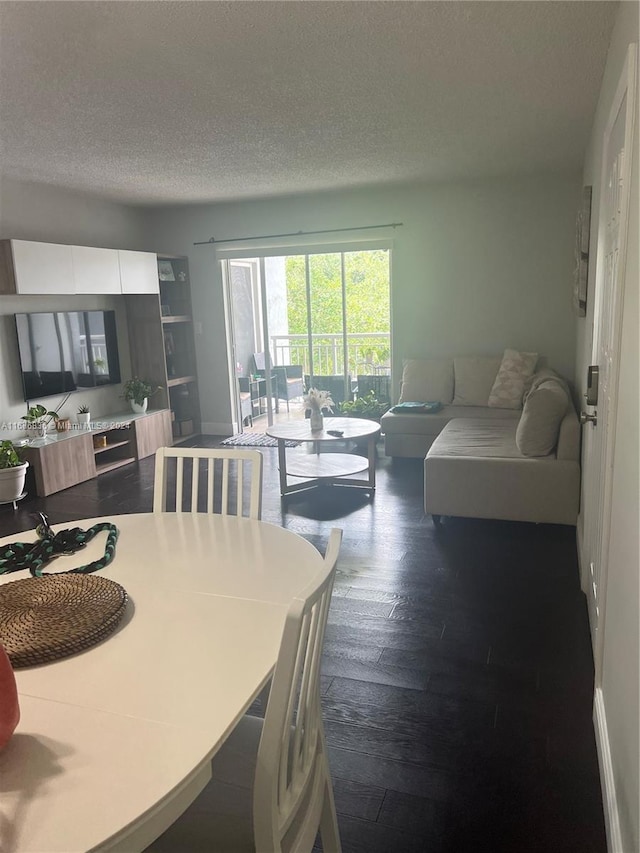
(327, 327)
(368, 323)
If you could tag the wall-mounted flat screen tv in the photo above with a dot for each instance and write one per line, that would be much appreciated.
(67, 351)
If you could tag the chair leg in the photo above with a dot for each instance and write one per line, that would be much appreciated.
(287, 405)
(329, 822)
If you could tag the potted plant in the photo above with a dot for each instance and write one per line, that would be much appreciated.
(84, 415)
(137, 392)
(12, 473)
(38, 417)
(368, 406)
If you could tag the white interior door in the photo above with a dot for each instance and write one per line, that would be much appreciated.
(599, 434)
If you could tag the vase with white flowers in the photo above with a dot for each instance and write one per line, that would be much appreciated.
(315, 402)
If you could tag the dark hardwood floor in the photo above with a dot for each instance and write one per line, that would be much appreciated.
(457, 676)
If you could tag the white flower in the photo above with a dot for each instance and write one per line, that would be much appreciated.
(317, 400)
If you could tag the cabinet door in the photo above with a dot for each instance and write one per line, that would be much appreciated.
(42, 267)
(138, 272)
(153, 431)
(63, 463)
(95, 270)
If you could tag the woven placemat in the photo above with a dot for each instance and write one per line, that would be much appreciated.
(45, 619)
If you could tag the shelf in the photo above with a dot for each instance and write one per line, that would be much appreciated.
(103, 467)
(110, 446)
(180, 380)
(177, 318)
(161, 340)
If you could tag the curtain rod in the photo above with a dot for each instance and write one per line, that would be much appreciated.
(212, 240)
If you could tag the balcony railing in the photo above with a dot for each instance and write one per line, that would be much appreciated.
(368, 353)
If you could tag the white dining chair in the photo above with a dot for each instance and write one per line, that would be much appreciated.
(271, 789)
(214, 475)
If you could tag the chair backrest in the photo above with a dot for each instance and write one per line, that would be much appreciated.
(215, 478)
(379, 384)
(292, 773)
(259, 362)
(332, 383)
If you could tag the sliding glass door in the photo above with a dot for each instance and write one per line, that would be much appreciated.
(326, 315)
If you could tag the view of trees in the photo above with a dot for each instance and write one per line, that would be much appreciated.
(367, 304)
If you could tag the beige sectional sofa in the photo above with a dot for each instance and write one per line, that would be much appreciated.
(516, 459)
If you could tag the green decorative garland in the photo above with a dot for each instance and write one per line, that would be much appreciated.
(35, 555)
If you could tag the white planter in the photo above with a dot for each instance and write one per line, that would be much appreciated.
(84, 419)
(139, 408)
(12, 482)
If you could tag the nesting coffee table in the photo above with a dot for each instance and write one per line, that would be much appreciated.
(318, 469)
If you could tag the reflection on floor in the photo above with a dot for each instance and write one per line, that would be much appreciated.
(261, 422)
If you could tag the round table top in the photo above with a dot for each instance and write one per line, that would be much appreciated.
(301, 430)
(135, 720)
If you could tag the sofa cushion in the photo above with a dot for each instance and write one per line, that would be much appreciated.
(515, 370)
(427, 379)
(544, 409)
(432, 424)
(477, 437)
(474, 378)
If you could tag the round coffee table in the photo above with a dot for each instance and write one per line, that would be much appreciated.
(322, 468)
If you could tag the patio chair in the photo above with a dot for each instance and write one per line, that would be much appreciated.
(334, 384)
(379, 384)
(224, 468)
(271, 788)
(289, 384)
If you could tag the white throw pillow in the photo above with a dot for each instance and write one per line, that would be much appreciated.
(515, 371)
(474, 378)
(426, 380)
(544, 408)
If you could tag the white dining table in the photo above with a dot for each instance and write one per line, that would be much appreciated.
(115, 742)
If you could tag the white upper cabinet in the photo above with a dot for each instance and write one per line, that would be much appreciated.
(30, 267)
(37, 268)
(96, 270)
(138, 272)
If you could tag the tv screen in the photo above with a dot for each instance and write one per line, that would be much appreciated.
(67, 351)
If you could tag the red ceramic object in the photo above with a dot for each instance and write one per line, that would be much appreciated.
(9, 708)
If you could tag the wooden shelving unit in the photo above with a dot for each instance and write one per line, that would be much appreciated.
(163, 347)
(116, 452)
(68, 458)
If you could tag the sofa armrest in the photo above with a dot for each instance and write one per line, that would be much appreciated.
(568, 447)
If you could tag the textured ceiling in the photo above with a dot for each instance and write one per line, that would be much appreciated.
(159, 102)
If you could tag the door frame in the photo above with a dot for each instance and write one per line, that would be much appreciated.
(255, 259)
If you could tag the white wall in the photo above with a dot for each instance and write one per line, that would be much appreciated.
(477, 267)
(621, 663)
(31, 211)
(37, 212)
